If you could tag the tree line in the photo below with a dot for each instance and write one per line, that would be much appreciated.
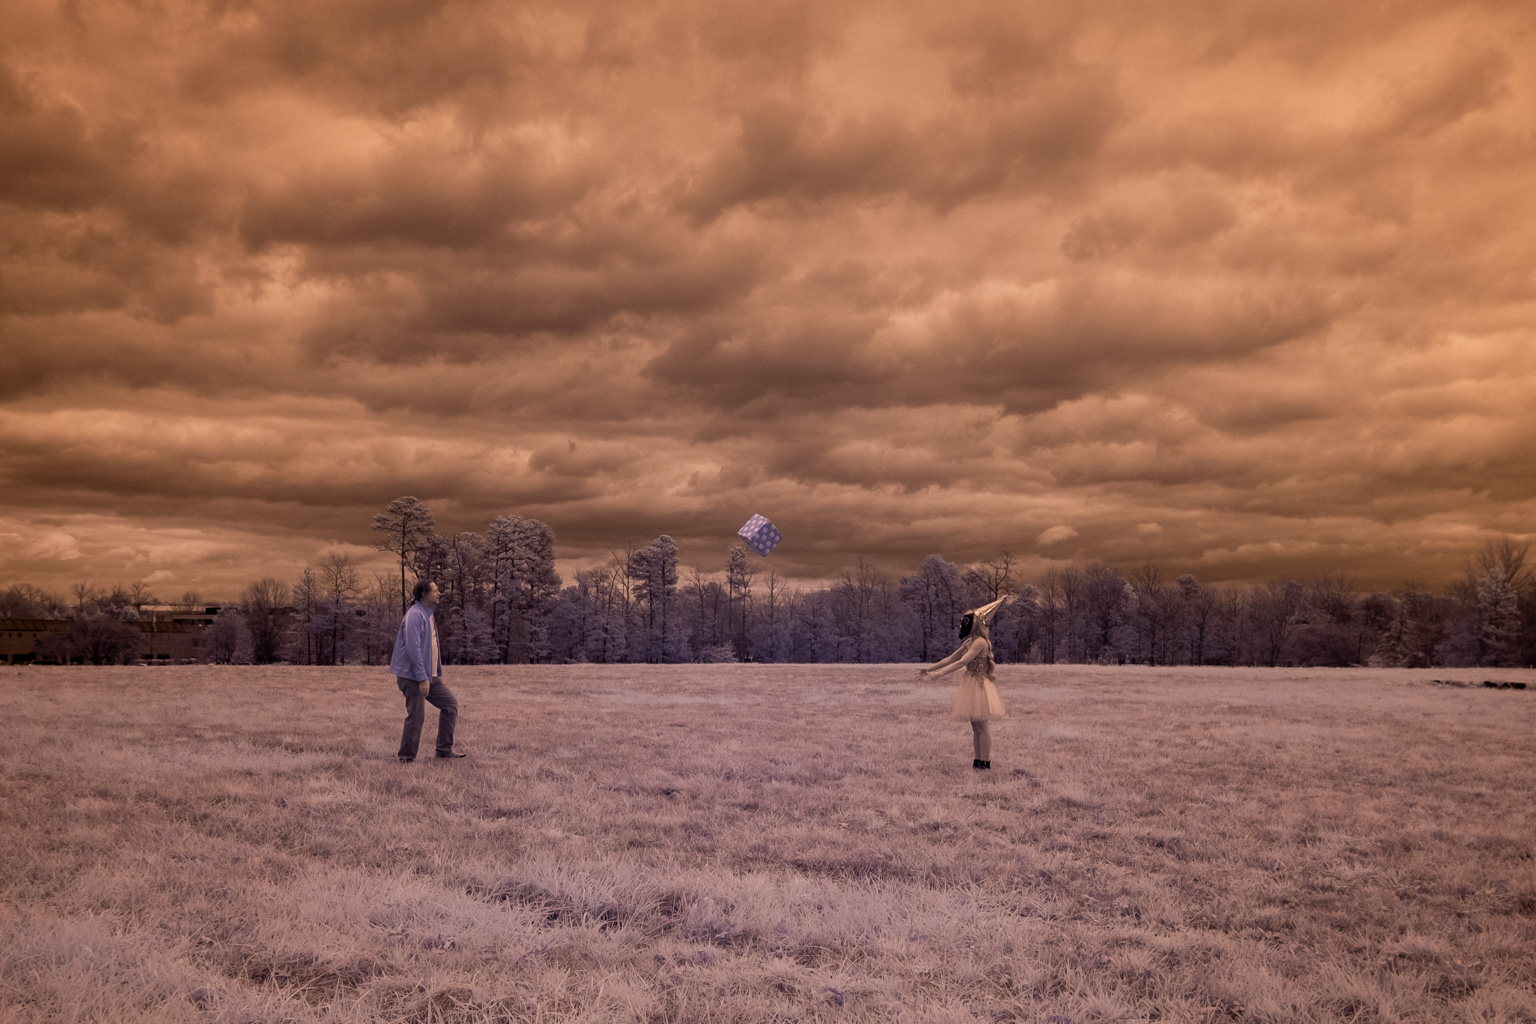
(503, 603)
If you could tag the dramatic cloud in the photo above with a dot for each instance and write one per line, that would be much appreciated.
(1237, 289)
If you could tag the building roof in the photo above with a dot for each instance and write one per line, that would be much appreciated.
(59, 625)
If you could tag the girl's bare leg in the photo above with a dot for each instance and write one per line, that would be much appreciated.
(981, 739)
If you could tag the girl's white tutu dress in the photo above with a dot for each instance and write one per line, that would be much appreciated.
(977, 698)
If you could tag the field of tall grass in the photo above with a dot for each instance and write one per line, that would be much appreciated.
(739, 843)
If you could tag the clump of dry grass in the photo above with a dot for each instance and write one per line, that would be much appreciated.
(766, 843)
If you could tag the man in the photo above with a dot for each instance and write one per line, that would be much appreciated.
(418, 670)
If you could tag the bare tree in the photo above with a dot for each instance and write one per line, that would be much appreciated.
(98, 639)
(1273, 609)
(1051, 604)
(380, 622)
(264, 603)
(1199, 605)
(994, 577)
(140, 595)
(698, 589)
(1328, 628)
(339, 583)
(1106, 599)
(935, 594)
(1071, 586)
(1159, 615)
(775, 587)
(1508, 556)
(1019, 624)
(738, 580)
(405, 525)
(25, 601)
(118, 603)
(623, 594)
(228, 637)
(84, 594)
(610, 586)
(306, 596)
(856, 607)
(463, 619)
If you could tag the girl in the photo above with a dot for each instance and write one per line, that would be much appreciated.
(977, 700)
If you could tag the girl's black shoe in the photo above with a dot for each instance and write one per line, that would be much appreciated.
(984, 764)
(978, 763)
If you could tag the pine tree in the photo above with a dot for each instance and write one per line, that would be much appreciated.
(1393, 648)
(654, 570)
(520, 556)
(1498, 605)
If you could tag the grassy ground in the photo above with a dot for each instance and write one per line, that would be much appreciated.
(738, 843)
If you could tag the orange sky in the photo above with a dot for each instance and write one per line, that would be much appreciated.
(1238, 289)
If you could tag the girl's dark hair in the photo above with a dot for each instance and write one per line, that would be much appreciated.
(419, 591)
(966, 622)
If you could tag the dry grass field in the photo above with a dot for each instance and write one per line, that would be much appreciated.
(737, 843)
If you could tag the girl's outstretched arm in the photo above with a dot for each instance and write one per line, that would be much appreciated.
(962, 654)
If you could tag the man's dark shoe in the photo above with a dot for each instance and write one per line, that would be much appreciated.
(406, 760)
(454, 753)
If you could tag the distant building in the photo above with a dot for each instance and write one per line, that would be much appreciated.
(20, 638)
(201, 615)
(180, 639)
(168, 636)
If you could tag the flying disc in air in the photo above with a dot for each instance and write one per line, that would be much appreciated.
(761, 535)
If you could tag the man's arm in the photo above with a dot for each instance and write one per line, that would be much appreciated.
(418, 647)
(421, 636)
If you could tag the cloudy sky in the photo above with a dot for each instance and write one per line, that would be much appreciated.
(1240, 289)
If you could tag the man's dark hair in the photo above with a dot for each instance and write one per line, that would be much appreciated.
(419, 591)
